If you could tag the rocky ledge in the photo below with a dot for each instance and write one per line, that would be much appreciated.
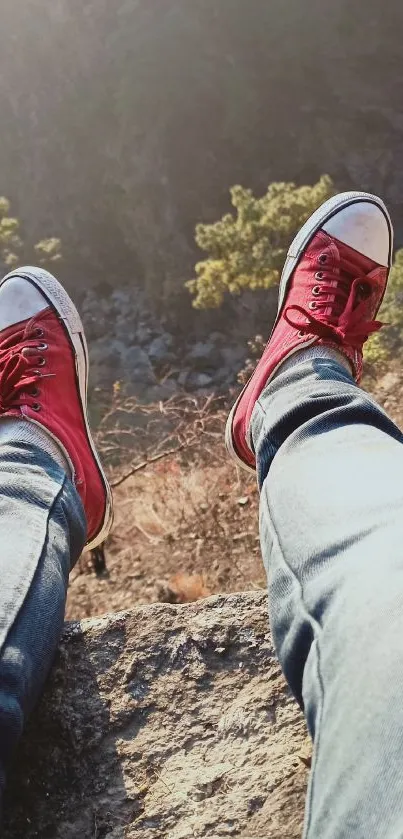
(165, 721)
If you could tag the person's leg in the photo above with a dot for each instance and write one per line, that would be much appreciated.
(330, 469)
(54, 496)
(42, 533)
(331, 519)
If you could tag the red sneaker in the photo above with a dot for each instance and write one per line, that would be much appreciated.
(331, 288)
(43, 379)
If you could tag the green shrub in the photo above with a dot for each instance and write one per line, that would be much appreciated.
(247, 249)
(12, 248)
(388, 342)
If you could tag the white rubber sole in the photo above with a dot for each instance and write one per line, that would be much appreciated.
(60, 301)
(322, 215)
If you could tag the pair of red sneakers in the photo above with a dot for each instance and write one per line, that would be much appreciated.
(332, 285)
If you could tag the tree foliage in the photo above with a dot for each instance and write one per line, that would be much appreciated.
(12, 248)
(388, 342)
(247, 249)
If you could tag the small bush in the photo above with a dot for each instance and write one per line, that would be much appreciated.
(247, 250)
(12, 247)
(388, 342)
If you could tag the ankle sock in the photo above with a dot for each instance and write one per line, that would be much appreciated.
(314, 352)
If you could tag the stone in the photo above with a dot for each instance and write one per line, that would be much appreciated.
(122, 298)
(224, 376)
(106, 351)
(234, 356)
(165, 721)
(218, 337)
(137, 366)
(204, 353)
(198, 381)
(183, 378)
(144, 334)
(160, 348)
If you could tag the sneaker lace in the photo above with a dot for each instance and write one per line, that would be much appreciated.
(346, 322)
(20, 360)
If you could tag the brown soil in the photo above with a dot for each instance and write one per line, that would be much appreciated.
(183, 531)
(180, 533)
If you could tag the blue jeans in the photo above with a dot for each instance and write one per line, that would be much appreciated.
(330, 467)
(330, 470)
(42, 532)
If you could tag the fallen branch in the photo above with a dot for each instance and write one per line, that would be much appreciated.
(161, 431)
(149, 461)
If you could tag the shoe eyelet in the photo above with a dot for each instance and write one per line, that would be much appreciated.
(41, 362)
(300, 334)
(316, 290)
(364, 290)
(42, 347)
(35, 391)
(38, 332)
(36, 406)
(312, 305)
(319, 275)
(322, 258)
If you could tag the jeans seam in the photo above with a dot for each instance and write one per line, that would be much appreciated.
(317, 632)
(50, 512)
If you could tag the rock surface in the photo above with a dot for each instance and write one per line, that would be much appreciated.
(165, 721)
(128, 343)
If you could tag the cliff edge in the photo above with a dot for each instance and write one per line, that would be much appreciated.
(163, 721)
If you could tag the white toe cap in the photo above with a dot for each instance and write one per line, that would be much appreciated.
(19, 300)
(363, 226)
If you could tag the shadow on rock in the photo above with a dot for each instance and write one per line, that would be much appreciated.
(66, 779)
(164, 722)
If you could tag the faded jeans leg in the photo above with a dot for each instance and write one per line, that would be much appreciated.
(42, 532)
(330, 469)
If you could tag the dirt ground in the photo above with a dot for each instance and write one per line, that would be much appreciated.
(180, 533)
(183, 531)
